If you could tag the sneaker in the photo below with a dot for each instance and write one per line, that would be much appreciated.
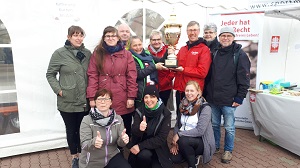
(75, 163)
(217, 151)
(226, 157)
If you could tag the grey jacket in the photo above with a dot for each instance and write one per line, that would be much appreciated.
(203, 129)
(92, 157)
(72, 78)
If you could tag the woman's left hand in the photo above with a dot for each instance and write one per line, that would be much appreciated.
(125, 137)
(174, 149)
(130, 103)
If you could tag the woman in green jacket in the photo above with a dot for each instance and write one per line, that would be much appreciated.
(71, 62)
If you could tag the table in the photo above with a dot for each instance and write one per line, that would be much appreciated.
(277, 118)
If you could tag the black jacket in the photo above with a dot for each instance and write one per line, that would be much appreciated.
(228, 82)
(159, 140)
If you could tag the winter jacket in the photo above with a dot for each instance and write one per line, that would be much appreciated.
(159, 140)
(195, 61)
(92, 157)
(119, 75)
(203, 129)
(165, 77)
(72, 78)
(228, 82)
(142, 73)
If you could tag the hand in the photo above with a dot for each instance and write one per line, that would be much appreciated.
(174, 149)
(178, 69)
(92, 103)
(125, 137)
(60, 93)
(234, 104)
(159, 66)
(130, 103)
(135, 149)
(143, 124)
(98, 141)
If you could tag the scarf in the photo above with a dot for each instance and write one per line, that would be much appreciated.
(147, 58)
(156, 51)
(190, 107)
(101, 120)
(113, 49)
(152, 117)
(76, 51)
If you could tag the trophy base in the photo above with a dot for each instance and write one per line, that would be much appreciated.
(171, 63)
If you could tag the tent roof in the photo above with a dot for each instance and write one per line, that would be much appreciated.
(287, 12)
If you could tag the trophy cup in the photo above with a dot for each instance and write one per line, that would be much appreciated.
(172, 35)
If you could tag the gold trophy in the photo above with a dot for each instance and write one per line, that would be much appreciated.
(172, 35)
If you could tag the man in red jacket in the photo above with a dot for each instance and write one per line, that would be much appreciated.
(159, 49)
(193, 61)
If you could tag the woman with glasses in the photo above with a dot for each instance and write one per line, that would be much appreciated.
(71, 63)
(112, 67)
(101, 132)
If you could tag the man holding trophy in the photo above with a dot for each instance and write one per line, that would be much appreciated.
(193, 60)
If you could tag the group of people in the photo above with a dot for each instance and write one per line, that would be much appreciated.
(116, 97)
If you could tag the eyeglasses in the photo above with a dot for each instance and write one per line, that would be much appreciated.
(192, 30)
(155, 39)
(110, 36)
(103, 99)
(224, 36)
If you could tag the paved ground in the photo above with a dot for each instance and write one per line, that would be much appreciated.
(249, 153)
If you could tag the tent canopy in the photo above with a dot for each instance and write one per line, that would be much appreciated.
(287, 12)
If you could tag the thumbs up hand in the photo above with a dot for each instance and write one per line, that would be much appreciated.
(98, 141)
(125, 137)
(143, 124)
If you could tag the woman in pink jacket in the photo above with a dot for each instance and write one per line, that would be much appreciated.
(112, 67)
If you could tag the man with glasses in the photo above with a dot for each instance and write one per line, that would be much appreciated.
(193, 62)
(159, 49)
(227, 87)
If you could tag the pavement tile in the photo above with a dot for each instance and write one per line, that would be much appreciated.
(248, 152)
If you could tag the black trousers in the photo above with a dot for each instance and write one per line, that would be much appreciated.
(118, 161)
(189, 148)
(72, 122)
(127, 119)
(164, 95)
(144, 159)
(179, 96)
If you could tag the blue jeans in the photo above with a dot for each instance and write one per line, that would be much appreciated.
(228, 116)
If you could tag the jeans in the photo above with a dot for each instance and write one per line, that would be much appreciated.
(228, 116)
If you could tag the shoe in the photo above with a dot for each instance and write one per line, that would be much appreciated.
(226, 157)
(217, 151)
(75, 163)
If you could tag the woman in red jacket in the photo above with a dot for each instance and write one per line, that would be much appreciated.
(112, 67)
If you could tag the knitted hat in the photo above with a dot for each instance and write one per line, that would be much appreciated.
(151, 90)
(227, 30)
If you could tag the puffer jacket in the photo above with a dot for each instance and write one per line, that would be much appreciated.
(92, 157)
(119, 75)
(196, 60)
(72, 78)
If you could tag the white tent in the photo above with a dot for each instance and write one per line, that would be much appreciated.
(33, 29)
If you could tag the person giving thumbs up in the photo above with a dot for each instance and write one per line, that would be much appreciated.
(125, 137)
(98, 141)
